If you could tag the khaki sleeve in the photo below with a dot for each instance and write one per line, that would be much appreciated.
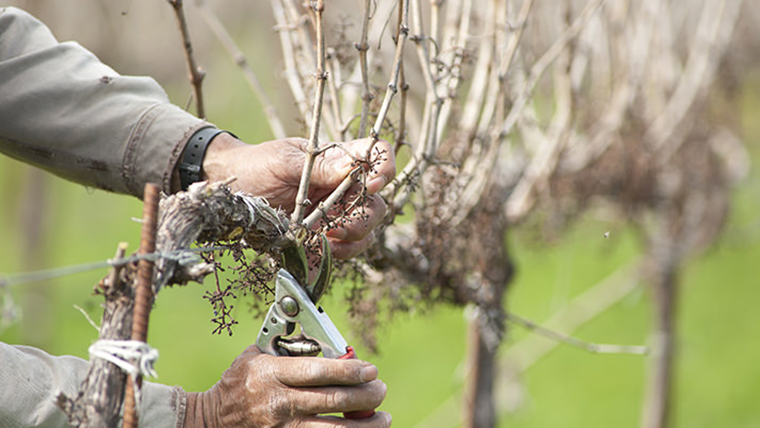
(63, 110)
(32, 379)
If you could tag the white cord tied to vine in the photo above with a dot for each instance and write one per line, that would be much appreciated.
(122, 353)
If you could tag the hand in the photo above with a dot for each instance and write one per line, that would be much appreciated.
(273, 170)
(261, 390)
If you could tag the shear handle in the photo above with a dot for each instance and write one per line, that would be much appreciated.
(357, 414)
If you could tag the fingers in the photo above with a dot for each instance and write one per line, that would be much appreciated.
(358, 226)
(378, 420)
(306, 372)
(320, 386)
(382, 159)
(337, 162)
(324, 400)
(264, 390)
(343, 250)
(353, 235)
(277, 170)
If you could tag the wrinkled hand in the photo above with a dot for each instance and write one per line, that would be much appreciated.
(273, 170)
(261, 390)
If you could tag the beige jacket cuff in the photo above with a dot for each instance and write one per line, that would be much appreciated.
(147, 161)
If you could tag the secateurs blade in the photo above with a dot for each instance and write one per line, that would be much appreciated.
(295, 262)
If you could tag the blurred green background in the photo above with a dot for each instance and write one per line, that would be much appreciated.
(46, 222)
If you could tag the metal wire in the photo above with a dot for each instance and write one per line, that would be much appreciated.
(183, 256)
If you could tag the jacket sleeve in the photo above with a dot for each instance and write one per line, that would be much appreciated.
(63, 110)
(30, 381)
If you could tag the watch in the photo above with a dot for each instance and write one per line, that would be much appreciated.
(192, 160)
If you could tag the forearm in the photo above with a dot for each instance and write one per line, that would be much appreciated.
(61, 109)
(32, 379)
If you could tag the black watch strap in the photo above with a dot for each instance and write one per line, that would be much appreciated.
(192, 160)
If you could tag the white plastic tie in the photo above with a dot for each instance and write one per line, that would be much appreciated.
(123, 353)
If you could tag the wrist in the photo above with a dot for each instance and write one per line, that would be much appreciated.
(191, 165)
(220, 158)
(199, 411)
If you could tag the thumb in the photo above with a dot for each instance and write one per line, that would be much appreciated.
(332, 168)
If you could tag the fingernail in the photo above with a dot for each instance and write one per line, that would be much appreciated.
(376, 183)
(344, 164)
(337, 233)
(369, 373)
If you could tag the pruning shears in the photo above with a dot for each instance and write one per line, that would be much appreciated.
(295, 304)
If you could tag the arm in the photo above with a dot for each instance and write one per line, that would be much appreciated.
(63, 110)
(32, 379)
(257, 390)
